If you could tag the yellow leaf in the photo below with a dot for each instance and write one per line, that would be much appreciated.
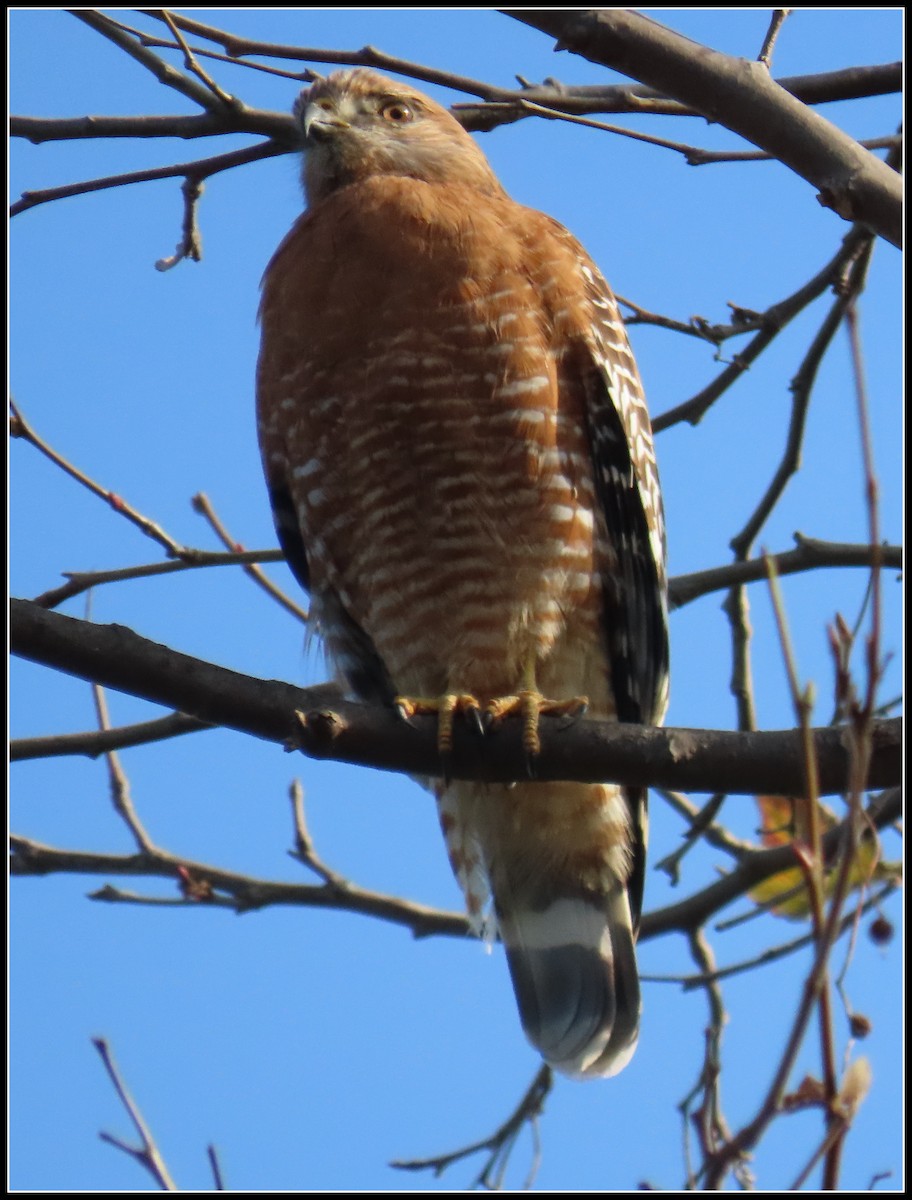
(786, 819)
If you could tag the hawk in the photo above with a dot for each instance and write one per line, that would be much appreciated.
(461, 470)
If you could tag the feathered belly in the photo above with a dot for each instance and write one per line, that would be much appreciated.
(459, 607)
(459, 531)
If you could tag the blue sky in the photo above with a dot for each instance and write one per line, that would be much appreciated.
(311, 1047)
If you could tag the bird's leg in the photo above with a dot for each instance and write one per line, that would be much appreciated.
(529, 703)
(445, 707)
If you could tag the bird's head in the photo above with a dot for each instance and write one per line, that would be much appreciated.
(358, 124)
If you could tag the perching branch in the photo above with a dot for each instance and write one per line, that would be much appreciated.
(683, 759)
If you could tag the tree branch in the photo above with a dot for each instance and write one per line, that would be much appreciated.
(202, 885)
(96, 742)
(689, 914)
(740, 95)
(810, 554)
(683, 759)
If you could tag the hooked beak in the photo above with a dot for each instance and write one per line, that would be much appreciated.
(320, 122)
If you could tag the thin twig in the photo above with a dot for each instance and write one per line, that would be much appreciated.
(119, 784)
(147, 1153)
(94, 743)
(189, 60)
(708, 1118)
(774, 320)
(81, 581)
(202, 885)
(784, 949)
(766, 51)
(304, 850)
(671, 864)
(217, 1176)
(20, 428)
(191, 243)
(197, 170)
(714, 835)
(203, 506)
(801, 387)
(501, 1142)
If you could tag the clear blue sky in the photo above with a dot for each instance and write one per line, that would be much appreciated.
(314, 1047)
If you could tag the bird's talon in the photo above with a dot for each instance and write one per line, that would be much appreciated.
(445, 708)
(446, 759)
(573, 715)
(474, 714)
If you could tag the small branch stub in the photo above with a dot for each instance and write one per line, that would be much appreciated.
(316, 731)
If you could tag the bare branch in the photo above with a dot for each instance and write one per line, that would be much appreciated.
(811, 554)
(66, 129)
(190, 62)
(199, 884)
(778, 19)
(499, 1145)
(740, 95)
(752, 868)
(147, 1153)
(686, 760)
(81, 581)
(199, 93)
(203, 506)
(97, 742)
(801, 388)
(20, 428)
(202, 884)
(197, 171)
(771, 324)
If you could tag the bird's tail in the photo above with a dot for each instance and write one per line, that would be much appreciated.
(563, 863)
(574, 973)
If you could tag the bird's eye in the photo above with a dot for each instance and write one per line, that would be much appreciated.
(397, 112)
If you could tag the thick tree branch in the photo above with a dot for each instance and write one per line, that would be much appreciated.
(683, 759)
(498, 106)
(740, 95)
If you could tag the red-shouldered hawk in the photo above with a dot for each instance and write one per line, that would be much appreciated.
(461, 470)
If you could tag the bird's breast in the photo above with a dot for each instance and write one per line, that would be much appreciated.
(439, 461)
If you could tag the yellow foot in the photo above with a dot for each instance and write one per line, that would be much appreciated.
(530, 704)
(446, 708)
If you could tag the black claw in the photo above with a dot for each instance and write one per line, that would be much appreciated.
(403, 713)
(446, 759)
(478, 723)
(571, 718)
(530, 765)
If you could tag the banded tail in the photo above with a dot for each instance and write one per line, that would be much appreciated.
(563, 865)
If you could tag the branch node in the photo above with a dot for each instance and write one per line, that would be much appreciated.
(315, 732)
